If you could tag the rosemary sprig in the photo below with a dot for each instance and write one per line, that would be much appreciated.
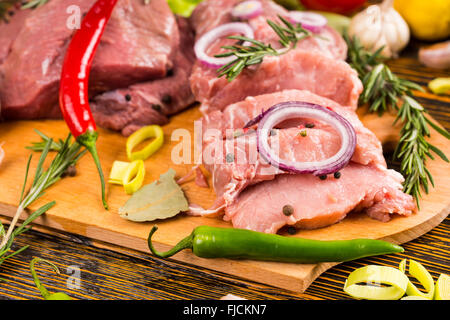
(384, 91)
(68, 154)
(33, 4)
(40, 146)
(7, 6)
(254, 53)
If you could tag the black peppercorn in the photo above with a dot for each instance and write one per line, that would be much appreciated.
(156, 107)
(323, 177)
(337, 175)
(128, 97)
(71, 171)
(288, 210)
(167, 99)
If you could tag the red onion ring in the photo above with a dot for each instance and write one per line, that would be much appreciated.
(311, 21)
(297, 109)
(202, 44)
(247, 10)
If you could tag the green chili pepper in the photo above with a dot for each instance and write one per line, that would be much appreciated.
(212, 242)
(42, 289)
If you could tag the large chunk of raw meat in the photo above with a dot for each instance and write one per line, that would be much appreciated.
(150, 102)
(9, 31)
(138, 44)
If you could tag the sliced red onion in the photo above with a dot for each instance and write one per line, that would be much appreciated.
(297, 109)
(205, 41)
(311, 21)
(247, 10)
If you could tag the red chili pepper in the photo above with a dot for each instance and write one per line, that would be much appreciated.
(73, 91)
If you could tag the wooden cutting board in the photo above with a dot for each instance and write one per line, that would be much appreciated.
(79, 210)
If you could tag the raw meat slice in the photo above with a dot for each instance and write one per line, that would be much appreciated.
(151, 102)
(235, 116)
(138, 44)
(236, 163)
(315, 64)
(298, 69)
(210, 14)
(319, 203)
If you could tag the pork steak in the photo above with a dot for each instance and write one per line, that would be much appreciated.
(318, 203)
(239, 174)
(315, 64)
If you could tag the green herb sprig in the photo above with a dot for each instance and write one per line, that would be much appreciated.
(384, 91)
(44, 292)
(67, 155)
(40, 146)
(248, 55)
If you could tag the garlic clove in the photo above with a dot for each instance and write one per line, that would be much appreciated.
(380, 26)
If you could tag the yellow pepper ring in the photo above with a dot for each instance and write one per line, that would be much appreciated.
(372, 275)
(418, 271)
(147, 132)
(118, 172)
(134, 176)
(442, 289)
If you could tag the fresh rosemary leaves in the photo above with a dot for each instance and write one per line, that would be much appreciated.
(384, 91)
(40, 146)
(247, 55)
(67, 155)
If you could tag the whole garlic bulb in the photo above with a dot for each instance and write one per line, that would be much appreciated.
(380, 25)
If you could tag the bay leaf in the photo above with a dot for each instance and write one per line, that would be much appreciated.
(161, 199)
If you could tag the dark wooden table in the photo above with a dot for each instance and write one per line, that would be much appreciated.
(91, 271)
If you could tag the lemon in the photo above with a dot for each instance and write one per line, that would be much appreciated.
(428, 20)
(442, 291)
(440, 86)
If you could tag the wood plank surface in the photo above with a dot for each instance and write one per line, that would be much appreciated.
(433, 252)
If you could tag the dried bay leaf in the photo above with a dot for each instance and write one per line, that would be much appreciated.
(158, 200)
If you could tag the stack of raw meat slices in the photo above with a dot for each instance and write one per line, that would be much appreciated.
(251, 192)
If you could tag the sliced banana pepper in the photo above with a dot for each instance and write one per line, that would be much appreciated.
(118, 172)
(418, 271)
(129, 174)
(442, 289)
(393, 280)
(147, 132)
(134, 176)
